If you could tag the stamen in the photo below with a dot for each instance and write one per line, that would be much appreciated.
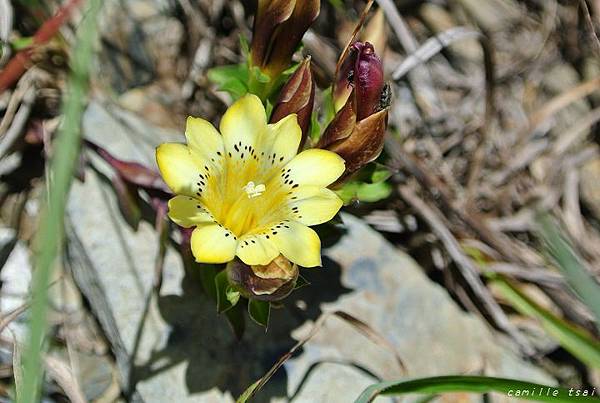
(254, 190)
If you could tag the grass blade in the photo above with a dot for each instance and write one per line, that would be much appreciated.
(476, 384)
(574, 339)
(51, 230)
(570, 265)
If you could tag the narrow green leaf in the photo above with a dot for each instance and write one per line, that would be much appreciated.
(574, 339)
(570, 265)
(477, 384)
(51, 231)
(247, 393)
(259, 312)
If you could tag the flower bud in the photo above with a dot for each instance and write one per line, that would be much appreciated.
(279, 26)
(362, 71)
(357, 131)
(271, 282)
(297, 96)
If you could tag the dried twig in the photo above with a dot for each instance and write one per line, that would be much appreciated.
(432, 47)
(464, 264)
(6, 23)
(18, 124)
(556, 104)
(420, 79)
(590, 24)
(62, 374)
(17, 65)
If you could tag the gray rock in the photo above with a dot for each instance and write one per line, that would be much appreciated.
(392, 294)
(15, 277)
(177, 348)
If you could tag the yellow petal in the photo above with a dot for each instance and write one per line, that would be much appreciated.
(213, 243)
(256, 250)
(282, 140)
(298, 243)
(242, 124)
(204, 140)
(187, 211)
(178, 168)
(314, 205)
(314, 167)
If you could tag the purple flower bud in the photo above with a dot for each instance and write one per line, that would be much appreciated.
(362, 71)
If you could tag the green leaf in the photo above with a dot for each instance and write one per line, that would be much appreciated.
(365, 192)
(268, 109)
(380, 173)
(232, 79)
(232, 295)
(328, 107)
(570, 265)
(235, 318)
(572, 338)
(315, 127)
(259, 311)
(208, 273)
(259, 76)
(222, 285)
(476, 384)
(244, 46)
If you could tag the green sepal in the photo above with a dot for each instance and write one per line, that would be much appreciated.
(237, 321)
(222, 286)
(259, 312)
(301, 282)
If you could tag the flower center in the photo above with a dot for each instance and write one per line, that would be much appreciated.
(253, 190)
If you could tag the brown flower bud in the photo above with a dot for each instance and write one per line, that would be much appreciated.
(357, 131)
(297, 96)
(364, 144)
(271, 282)
(279, 26)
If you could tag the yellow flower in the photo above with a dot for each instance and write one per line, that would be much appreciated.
(246, 191)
